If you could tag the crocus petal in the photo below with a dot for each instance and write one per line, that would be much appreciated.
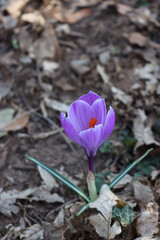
(80, 115)
(109, 124)
(90, 98)
(70, 130)
(91, 139)
(98, 111)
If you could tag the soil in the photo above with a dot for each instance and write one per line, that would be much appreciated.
(104, 29)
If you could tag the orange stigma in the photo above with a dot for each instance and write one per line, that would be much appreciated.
(92, 123)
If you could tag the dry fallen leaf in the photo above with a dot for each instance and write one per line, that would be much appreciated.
(9, 22)
(34, 232)
(142, 193)
(15, 7)
(99, 223)
(142, 133)
(56, 105)
(4, 89)
(84, 3)
(104, 57)
(154, 174)
(45, 47)
(49, 67)
(34, 17)
(80, 66)
(143, 16)
(7, 204)
(102, 220)
(18, 122)
(115, 230)
(71, 17)
(59, 220)
(123, 9)
(48, 179)
(138, 38)
(52, 232)
(103, 74)
(150, 73)
(41, 193)
(121, 96)
(147, 223)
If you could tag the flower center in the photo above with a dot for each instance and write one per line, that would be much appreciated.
(92, 123)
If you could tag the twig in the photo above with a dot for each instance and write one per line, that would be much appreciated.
(39, 78)
(48, 120)
(60, 207)
(25, 103)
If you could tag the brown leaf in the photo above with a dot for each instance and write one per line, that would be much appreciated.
(84, 3)
(138, 39)
(34, 17)
(99, 223)
(123, 9)
(142, 193)
(142, 133)
(68, 17)
(80, 66)
(20, 121)
(46, 46)
(15, 7)
(103, 74)
(121, 96)
(102, 222)
(56, 105)
(143, 16)
(147, 223)
(4, 89)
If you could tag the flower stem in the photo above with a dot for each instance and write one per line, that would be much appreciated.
(91, 164)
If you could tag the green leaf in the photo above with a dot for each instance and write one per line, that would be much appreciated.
(143, 3)
(123, 215)
(15, 44)
(83, 209)
(61, 178)
(130, 142)
(127, 139)
(146, 167)
(114, 50)
(114, 182)
(107, 147)
(6, 116)
(127, 169)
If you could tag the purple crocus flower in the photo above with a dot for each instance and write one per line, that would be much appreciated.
(88, 123)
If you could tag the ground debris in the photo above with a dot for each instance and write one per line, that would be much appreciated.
(102, 220)
(7, 204)
(142, 133)
(147, 224)
(51, 53)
